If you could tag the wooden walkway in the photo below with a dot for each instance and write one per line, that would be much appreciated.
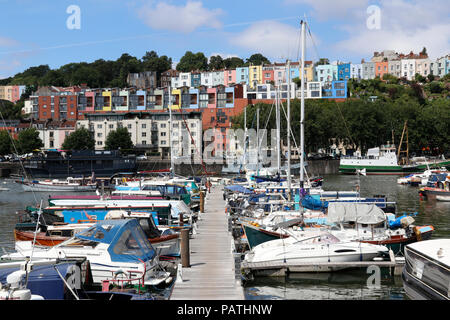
(211, 275)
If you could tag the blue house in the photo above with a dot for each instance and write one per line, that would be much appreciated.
(195, 79)
(343, 71)
(335, 89)
(242, 75)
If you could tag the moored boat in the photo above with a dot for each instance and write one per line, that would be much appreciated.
(112, 247)
(68, 185)
(426, 273)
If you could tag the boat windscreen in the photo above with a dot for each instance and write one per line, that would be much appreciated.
(131, 246)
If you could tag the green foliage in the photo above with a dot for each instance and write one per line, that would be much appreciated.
(192, 61)
(322, 61)
(28, 140)
(359, 121)
(10, 110)
(216, 63)
(257, 59)
(233, 62)
(119, 139)
(80, 139)
(5, 143)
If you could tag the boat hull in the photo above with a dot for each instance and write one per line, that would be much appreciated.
(29, 186)
(168, 245)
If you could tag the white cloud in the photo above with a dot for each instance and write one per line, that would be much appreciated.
(338, 9)
(405, 26)
(180, 18)
(273, 39)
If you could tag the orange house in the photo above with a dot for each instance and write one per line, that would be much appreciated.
(381, 68)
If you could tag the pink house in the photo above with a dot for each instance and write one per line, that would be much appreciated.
(229, 77)
(212, 99)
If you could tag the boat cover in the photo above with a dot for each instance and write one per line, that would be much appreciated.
(126, 239)
(238, 188)
(357, 212)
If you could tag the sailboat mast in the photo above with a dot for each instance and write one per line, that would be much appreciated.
(245, 138)
(302, 105)
(172, 167)
(257, 140)
(278, 131)
(288, 136)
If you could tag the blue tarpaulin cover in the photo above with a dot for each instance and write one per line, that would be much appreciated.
(238, 188)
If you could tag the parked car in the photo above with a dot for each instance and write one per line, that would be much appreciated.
(141, 157)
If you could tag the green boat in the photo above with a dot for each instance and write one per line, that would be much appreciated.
(383, 160)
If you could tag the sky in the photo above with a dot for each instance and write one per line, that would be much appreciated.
(57, 32)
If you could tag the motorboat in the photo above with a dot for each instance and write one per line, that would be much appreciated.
(164, 239)
(68, 185)
(321, 248)
(426, 273)
(117, 250)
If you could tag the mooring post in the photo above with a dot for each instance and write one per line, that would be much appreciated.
(185, 254)
(181, 220)
(202, 201)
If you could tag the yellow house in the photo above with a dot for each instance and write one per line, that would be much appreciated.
(176, 98)
(107, 100)
(255, 75)
(309, 72)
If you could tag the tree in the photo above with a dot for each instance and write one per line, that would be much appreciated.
(119, 139)
(322, 61)
(215, 63)
(257, 59)
(151, 62)
(28, 140)
(5, 143)
(10, 110)
(191, 61)
(80, 139)
(233, 63)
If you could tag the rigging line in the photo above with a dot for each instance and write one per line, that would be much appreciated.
(267, 122)
(312, 39)
(295, 142)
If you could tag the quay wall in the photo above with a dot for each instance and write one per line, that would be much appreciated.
(315, 167)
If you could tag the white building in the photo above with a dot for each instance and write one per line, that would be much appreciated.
(150, 133)
(423, 67)
(395, 68)
(408, 67)
(356, 71)
(206, 79)
(54, 133)
(183, 80)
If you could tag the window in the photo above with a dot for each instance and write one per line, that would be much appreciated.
(129, 126)
(99, 134)
(99, 126)
(144, 126)
(111, 126)
(163, 142)
(163, 134)
(163, 125)
(144, 134)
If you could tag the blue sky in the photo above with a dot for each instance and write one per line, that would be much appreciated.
(34, 32)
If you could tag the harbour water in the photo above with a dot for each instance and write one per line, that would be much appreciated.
(353, 284)
(350, 284)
